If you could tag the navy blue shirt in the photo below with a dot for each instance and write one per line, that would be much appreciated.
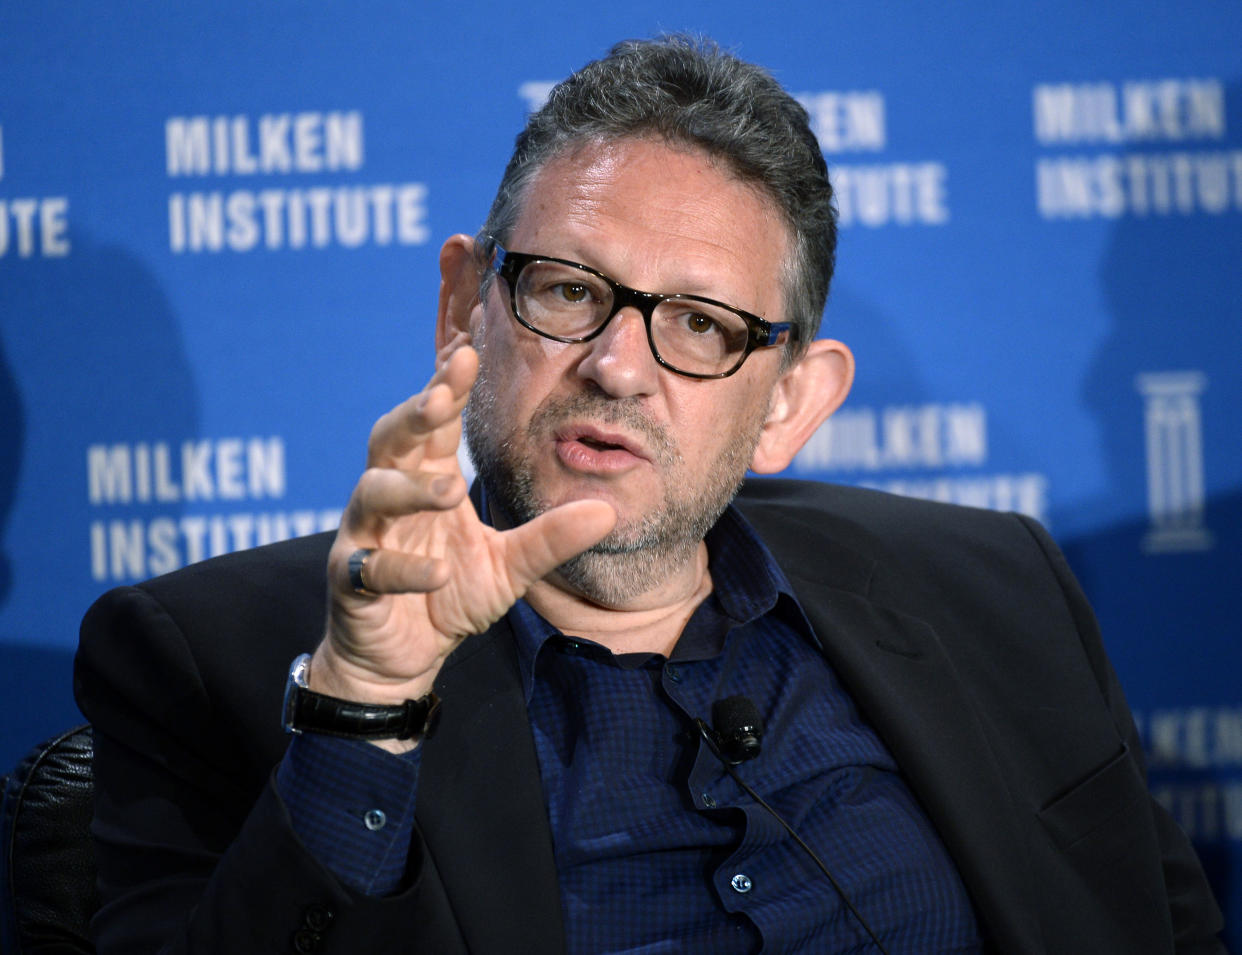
(657, 848)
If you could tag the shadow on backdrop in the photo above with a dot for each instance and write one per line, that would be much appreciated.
(94, 355)
(1166, 394)
(12, 439)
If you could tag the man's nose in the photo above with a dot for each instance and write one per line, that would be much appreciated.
(619, 359)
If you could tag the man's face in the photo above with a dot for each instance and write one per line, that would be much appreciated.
(550, 423)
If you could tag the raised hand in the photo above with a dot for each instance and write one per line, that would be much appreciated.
(437, 573)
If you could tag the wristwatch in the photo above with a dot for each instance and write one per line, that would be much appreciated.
(306, 710)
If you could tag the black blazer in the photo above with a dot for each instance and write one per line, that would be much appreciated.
(961, 634)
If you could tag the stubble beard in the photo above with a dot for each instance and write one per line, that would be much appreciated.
(637, 555)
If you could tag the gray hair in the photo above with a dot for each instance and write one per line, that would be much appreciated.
(687, 91)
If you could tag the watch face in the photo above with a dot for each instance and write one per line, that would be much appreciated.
(299, 671)
(290, 707)
(294, 685)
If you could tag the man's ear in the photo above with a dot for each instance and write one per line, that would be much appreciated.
(804, 396)
(459, 288)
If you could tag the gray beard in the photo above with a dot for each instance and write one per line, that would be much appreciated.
(638, 555)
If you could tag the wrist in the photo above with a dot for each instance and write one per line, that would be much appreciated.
(405, 723)
(333, 674)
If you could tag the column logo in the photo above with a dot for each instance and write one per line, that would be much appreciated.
(1174, 429)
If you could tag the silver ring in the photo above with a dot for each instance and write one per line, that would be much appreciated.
(357, 561)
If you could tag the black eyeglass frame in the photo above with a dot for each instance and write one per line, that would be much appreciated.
(762, 333)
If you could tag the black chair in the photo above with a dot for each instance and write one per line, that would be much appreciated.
(47, 875)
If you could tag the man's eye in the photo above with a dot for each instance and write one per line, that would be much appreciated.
(573, 293)
(700, 324)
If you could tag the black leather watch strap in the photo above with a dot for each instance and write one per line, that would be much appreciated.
(308, 711)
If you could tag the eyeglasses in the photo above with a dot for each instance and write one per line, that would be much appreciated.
(688, 334)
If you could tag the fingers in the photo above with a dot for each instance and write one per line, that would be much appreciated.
(384, 494)
(396, 572)
(428, 423)
(536, 548)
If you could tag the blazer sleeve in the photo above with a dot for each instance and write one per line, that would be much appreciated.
(1196, 919)
(195, 851)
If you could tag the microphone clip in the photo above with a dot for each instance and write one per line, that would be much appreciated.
(738, 731)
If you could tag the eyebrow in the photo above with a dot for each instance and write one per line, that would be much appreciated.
(697, 286)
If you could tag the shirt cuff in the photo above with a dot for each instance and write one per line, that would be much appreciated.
(352, 805)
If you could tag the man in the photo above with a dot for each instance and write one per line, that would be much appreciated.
(948, 763)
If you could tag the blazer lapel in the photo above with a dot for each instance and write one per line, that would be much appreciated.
(905, 684)
(481, 811)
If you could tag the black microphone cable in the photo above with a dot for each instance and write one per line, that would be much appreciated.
(739, 741)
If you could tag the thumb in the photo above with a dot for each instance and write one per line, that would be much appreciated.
(543, 544)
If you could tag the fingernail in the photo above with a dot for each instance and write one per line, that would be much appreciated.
(441, 484)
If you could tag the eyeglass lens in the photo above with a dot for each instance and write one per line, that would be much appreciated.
(570, 303)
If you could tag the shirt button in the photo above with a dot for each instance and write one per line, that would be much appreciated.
(375, 820)
(740, 882)
(674, 672)
(317, 917)
(708, 801)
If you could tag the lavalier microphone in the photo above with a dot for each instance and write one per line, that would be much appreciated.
(738, 729)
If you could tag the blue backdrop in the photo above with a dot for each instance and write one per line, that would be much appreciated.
(218, 236)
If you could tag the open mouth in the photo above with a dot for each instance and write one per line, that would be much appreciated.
(591, 449)
(597, 445)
